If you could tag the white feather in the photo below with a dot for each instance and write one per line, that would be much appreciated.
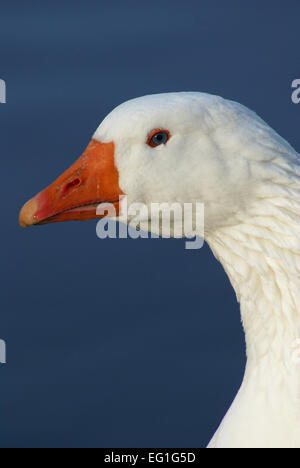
(222, 154)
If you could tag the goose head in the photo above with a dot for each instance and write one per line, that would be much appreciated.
(165, 148)
(197, 148)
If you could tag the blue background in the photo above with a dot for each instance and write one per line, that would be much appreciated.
(121, 343)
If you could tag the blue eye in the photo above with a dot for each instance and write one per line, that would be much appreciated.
(158, 137)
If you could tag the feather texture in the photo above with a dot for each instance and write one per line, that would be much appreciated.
(248, 177)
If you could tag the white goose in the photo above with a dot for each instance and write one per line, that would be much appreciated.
(194, 147)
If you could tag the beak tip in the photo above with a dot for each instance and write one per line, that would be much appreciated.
(26, 218)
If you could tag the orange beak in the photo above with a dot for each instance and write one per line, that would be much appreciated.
(76, 194)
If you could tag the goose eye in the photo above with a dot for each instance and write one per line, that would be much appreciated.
(158, 137)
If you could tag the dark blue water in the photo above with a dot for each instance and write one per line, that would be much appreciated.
(121, 342)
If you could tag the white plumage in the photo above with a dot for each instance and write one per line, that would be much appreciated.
(223, 155)
(248, 177)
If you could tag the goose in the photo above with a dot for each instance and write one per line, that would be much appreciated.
(196, 147)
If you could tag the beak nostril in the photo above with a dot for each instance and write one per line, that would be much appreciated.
(71, 185)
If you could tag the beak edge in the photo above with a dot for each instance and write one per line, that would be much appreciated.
(27, 213)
